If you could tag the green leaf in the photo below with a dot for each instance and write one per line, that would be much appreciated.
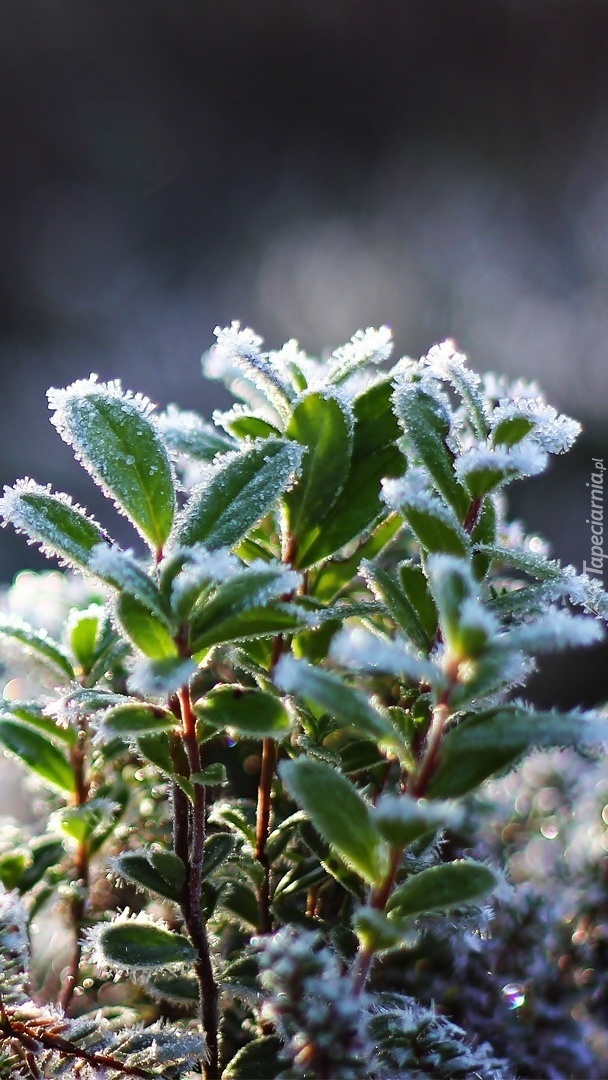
(81, 823)
(511, 430)
(345, 704)
(211, 776)
(325, 427)
(30, 713)
(436, 526)
(375, 930)
(249, 426)
(148, 633)
(60, 528)
(116, 440)
(158, 750)
(125, 573)
(185, 432)
(254, 714)
(134, 719)
(178, 989)
(135, 866)
(488, 743)
(452, 585)
(401, 819)
(253, 588)
(442, 888)
(426, 424)
(83, 631)
(137, 946)
(339, 814)
(415, 617)
(257, 1060)
(37, 643)
(13, 865)
(217, 850)
(241, 901)
(375, 455)
(45, 852)
(38, 754)
(256, 623)
(170, 866)
(242, 488)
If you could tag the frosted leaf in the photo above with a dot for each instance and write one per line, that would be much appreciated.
(397, 492)
(395, 809)
(227, 418)
(158, 678)
(238, 491)
(554, 431)
(496, 387)
(299, 368)
(186, 432)
(526, 458)
(122, 570)
(474, 616)
(554, 630)
(242, 347)
(365, 347)
(443, 361)
(98, 937)
(400, 496)
(52, 520)
(365, 651)
(115, 437)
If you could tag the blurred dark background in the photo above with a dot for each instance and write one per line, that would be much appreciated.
(310, 168)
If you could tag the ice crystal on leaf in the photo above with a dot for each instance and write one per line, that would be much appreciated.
(554, 431)
(365, 348)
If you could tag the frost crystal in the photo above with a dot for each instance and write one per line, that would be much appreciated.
(242, 348)
(552, 430)
(364, 651)
(526, 458)
(555, 630)
(366, 347)
(60, 399)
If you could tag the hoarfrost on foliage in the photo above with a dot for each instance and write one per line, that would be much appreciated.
(554, 431)
(366, 347)
(18, 510)
(59, 400)
(243, 349)
(555, 630)
(365, 651)
(526, 458)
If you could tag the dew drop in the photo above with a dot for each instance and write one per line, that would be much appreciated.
(514, 994)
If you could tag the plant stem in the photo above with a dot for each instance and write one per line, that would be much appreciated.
(31, 1037)
(81, 867)
(269, 757)
(191, 905)
(269, 760)
(379, 899)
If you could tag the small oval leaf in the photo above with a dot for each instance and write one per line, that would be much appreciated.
(338, 813)
(134, 946)
(441, 888)
(252, 713)
(144, 629)
(324, 425)
(241, 489)
(51, 520)
(38, 644)
(41, 756)
(114, 437)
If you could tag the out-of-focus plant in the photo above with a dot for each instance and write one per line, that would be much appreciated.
(263, 733)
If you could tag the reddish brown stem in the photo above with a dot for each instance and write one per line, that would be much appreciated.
(31, 1037)
(82, 874)
(269, 757)
(191, 904)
